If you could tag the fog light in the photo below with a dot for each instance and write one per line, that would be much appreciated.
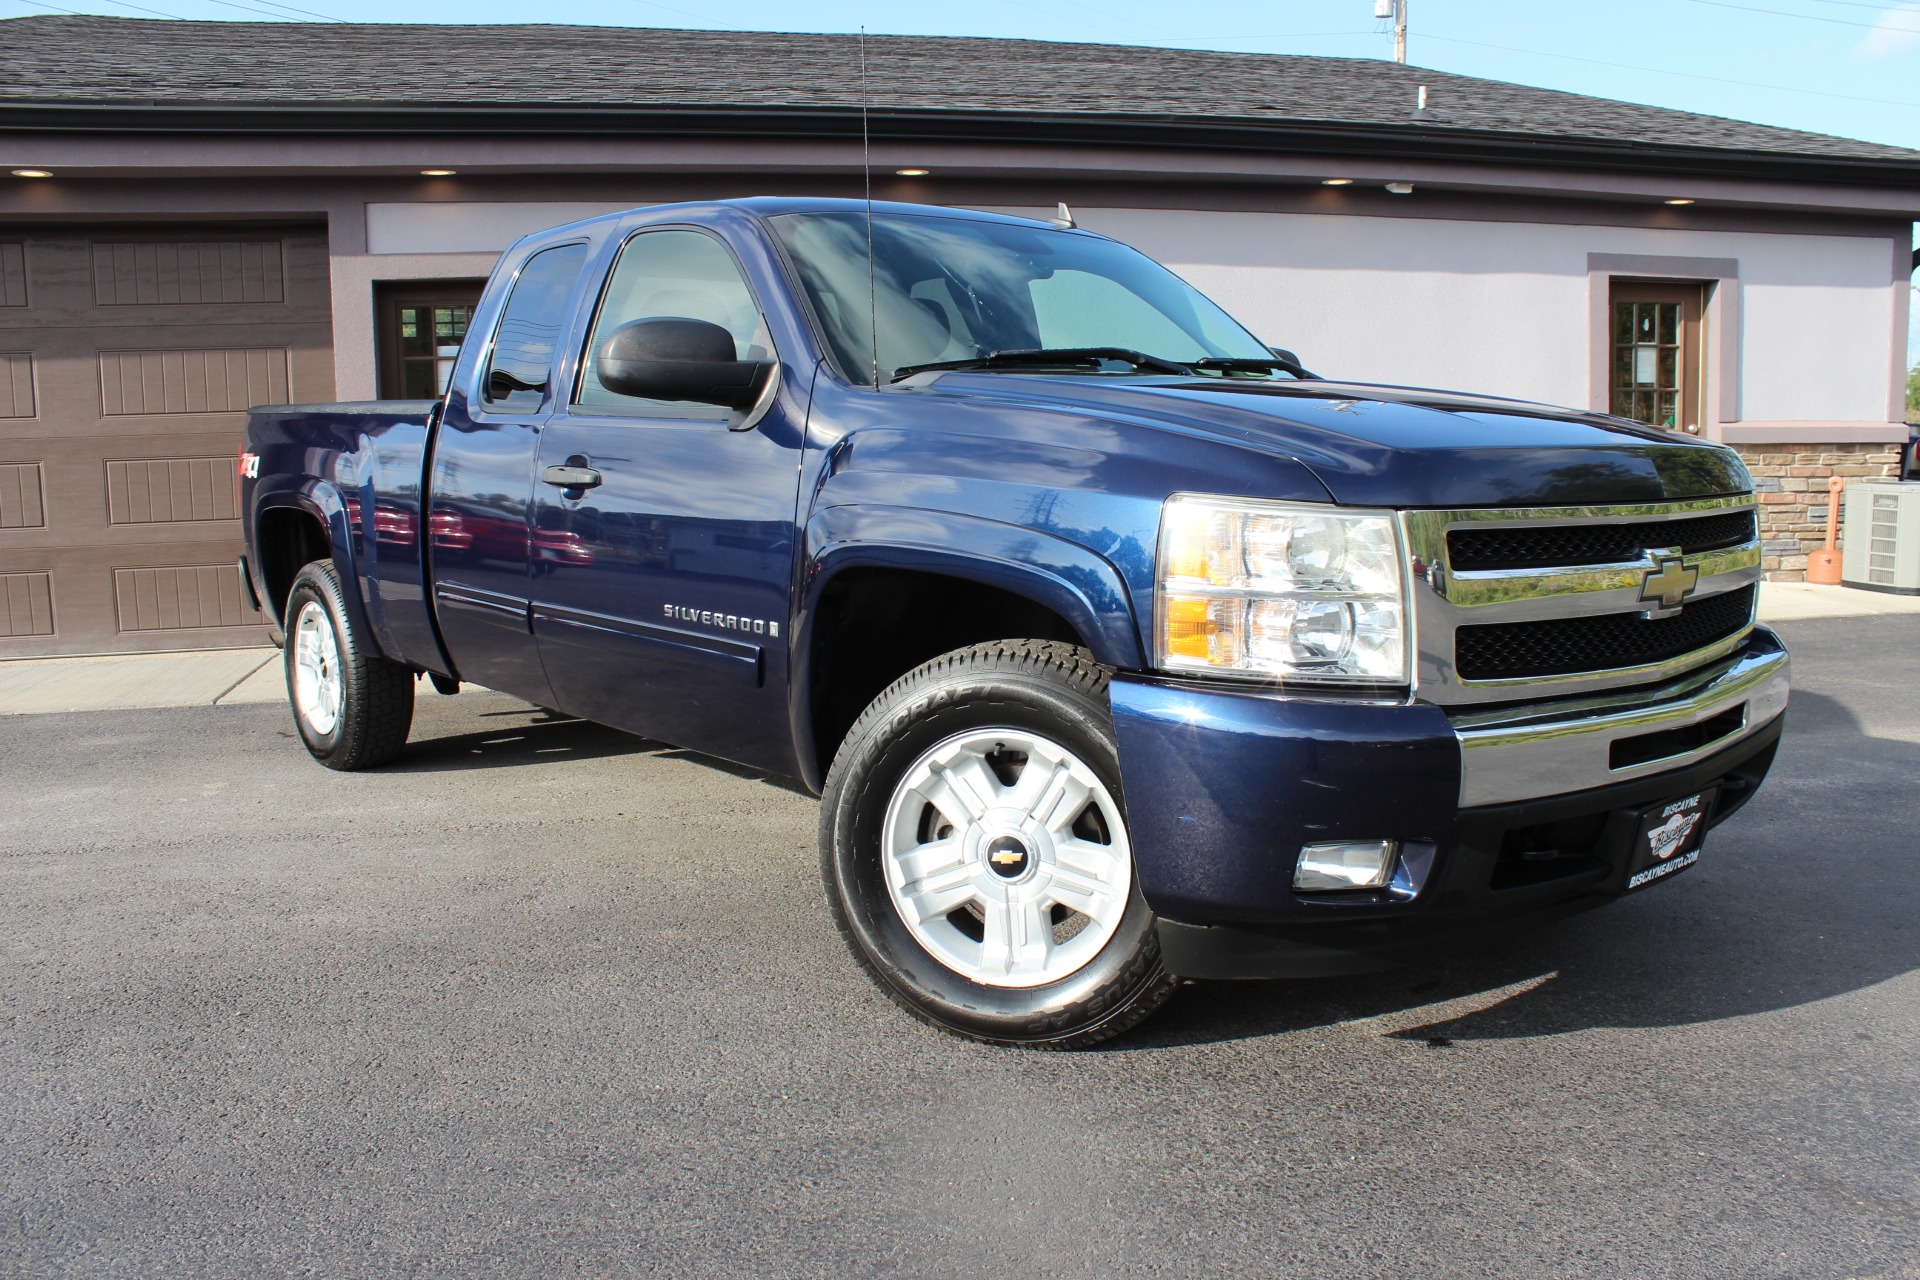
(1346, 864)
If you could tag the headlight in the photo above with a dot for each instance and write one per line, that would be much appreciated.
(1291, 590)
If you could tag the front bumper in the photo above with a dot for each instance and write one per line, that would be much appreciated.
(1522, 753)
(1502, 816)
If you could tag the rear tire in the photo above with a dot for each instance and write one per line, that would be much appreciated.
(352, 707)
(987, 899)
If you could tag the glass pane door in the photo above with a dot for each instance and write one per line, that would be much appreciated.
(1656, 367)
(430, 338)
(421, 326)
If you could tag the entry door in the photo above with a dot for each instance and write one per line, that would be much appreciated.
(422, 324)
(660, 594)
(482, 487)
(1659, 373)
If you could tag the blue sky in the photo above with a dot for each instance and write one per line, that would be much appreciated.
(1848, 67)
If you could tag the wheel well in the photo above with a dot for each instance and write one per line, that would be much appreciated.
(872, 626)
(289, 539)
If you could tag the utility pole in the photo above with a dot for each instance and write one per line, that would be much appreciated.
(1397, 10)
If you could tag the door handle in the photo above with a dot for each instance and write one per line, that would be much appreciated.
(571, 477)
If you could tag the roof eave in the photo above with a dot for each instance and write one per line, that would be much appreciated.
(1412, 141)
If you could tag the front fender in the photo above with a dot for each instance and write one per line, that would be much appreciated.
(1078, 584)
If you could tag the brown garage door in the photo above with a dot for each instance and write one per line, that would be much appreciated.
(127, 362)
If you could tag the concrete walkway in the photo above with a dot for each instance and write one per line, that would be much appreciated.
(141, 681)
(133, 681)
(1791, 601)
(224, 677)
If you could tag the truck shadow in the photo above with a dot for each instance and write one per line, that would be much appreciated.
(534, 735)
(1807, 894)
(531, 736)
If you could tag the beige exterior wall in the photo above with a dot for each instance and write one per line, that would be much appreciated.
(1485, 279)
(1503, 308)
(1805, 330)
(1812, 324)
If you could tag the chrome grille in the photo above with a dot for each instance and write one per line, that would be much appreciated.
(1497, 625)
(1537, 547)
(1565, 646)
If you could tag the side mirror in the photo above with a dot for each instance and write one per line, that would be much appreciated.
(671, 358)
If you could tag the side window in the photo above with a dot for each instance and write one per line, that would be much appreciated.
(531, 327)
(673, 274)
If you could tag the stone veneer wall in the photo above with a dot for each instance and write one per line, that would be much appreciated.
(1791, 480)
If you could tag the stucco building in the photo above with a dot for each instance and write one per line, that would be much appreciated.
(195, 217)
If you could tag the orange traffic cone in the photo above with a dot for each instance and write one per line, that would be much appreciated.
(1823, 566)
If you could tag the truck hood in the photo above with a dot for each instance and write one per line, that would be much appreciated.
(1400, 446)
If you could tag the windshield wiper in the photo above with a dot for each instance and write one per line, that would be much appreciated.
(1088, 357)
(1254, 364)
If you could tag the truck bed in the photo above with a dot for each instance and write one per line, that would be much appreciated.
(360, 464)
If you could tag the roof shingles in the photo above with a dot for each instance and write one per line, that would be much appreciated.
(53, 60)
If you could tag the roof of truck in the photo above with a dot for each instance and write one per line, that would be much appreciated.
(775, 206)
(364, 75)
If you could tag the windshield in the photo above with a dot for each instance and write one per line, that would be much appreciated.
(958, 289)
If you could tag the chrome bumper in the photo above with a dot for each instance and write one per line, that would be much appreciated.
(1522, 753)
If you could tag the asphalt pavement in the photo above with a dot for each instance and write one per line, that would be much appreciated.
(545, 1000)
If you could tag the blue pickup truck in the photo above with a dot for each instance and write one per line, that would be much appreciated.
(1121, 649)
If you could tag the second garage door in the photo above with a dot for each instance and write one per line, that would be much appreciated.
(128, 360)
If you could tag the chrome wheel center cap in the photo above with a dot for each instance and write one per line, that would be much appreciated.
(1009, 858)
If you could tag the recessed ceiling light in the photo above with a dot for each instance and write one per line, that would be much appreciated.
(1678, 202)
(1336, 182)
(913, 173)
(1400, 188)
(438, 173)
(33, 173)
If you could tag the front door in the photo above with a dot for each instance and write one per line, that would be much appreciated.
(1658, 375)
(660, 592)
(478, 525)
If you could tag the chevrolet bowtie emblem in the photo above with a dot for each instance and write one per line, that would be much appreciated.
(1669, 582)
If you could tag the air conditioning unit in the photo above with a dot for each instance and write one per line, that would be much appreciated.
(1880, 539)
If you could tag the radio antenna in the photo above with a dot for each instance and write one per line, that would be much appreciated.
(866, 171)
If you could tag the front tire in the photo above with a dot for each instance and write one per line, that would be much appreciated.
(975, 851)
(353, 708)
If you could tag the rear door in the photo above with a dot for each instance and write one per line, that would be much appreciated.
(479, 518)
(660, 594)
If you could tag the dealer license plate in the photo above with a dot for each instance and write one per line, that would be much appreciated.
(1669, 839)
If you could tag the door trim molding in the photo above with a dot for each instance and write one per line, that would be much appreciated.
(734, 659)
(491, 605)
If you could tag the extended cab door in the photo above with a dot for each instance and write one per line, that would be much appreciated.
(661, 587)
(479, 518)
